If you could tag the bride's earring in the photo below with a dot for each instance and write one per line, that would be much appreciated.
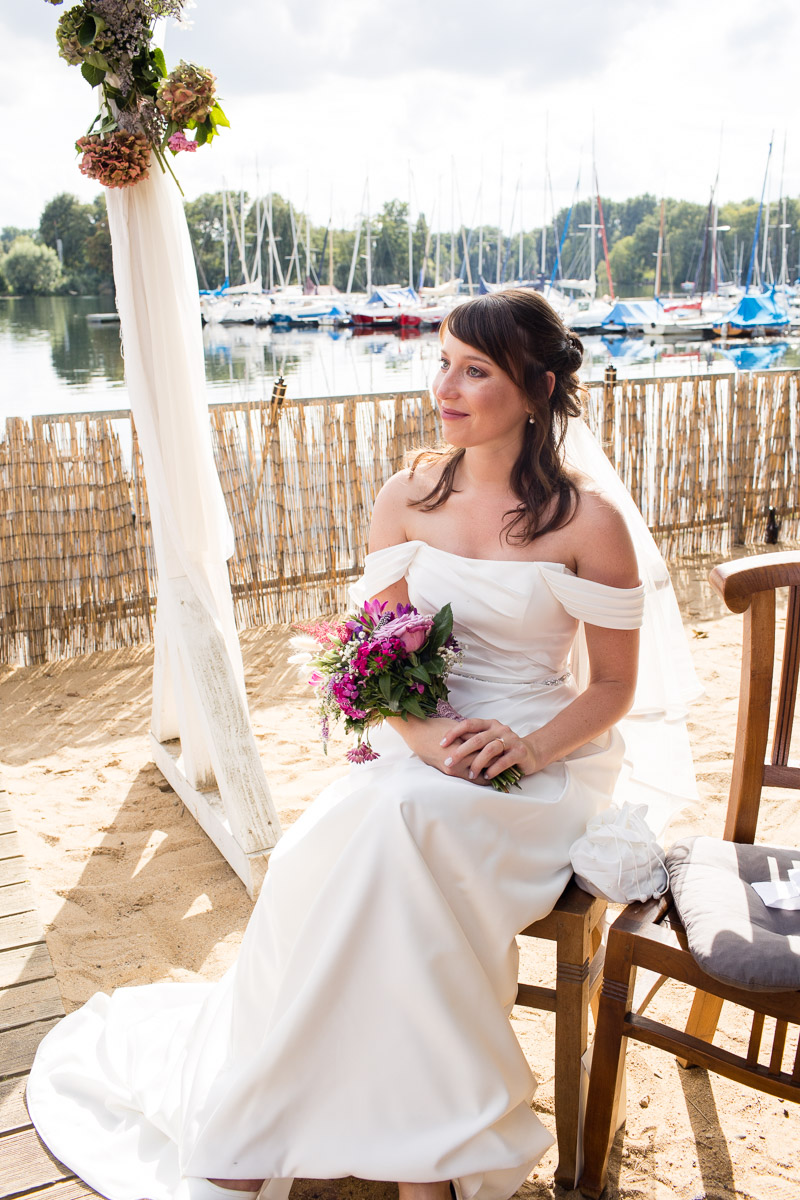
(531, 419)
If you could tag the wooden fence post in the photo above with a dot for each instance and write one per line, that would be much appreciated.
(739, 399)
(608, 414)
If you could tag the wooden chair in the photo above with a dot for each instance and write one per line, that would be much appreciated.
(654, 937)
(576, 926)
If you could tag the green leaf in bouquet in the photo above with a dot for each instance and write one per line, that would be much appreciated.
(420, 672)
(218, 117)
(160, 62)
(385, 685)
(398, 691)
(412, 705)
(442, 626)
(202, 134)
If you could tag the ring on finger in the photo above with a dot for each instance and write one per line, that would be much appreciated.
(503, 742)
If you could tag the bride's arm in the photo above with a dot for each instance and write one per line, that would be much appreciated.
(388, 528)
(604, 553)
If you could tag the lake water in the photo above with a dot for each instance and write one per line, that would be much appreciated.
(52, 360)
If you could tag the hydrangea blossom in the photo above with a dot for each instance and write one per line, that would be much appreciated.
(120, 160)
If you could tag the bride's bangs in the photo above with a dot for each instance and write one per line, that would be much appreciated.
(488, 326)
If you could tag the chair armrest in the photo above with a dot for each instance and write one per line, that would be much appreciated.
(737, 581)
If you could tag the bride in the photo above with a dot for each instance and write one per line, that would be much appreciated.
(364, 1027)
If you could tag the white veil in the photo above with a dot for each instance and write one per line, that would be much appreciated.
(658, 768)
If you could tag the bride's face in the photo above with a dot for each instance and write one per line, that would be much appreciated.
(480, 405)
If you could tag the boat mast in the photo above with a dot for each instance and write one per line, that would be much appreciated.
(437, 274)
(765, 243)
(754, 247)
(369, 247)
(273, 242)
(543, 252)
(784, 275)
(466, 266)
(308, 245)
(519, 274)
(593, 247)
(500, 221)
(242, 242)
(225, 250)
(357, 240)
(659, 254)
(270, 238)
(603, 234)
(479, 210)
(452, 217)
(410, 235)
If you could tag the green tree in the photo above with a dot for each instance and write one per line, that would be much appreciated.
(97, 249)
(10, 234)
(390, 243)
(65, 225)
(32, 269)
(625, 269)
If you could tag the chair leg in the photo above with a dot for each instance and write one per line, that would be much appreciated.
(703, 1019)
(597, 942)
(572, 1034)
(608, 1063)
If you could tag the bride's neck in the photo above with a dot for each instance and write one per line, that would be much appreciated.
(484, 468)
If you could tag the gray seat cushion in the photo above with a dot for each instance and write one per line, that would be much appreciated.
(732, 934)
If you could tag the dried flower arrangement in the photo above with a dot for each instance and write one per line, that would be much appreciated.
(144, 109)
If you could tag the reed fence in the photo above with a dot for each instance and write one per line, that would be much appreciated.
(703, 456)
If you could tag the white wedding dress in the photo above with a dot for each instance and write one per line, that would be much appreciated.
(364, 1028)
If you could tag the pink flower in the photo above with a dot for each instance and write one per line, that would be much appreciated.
(361, 754)
(179, 142)
(410, 629)
(119, 160)
(315, 679)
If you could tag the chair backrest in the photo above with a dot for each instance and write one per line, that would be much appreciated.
(748, 586)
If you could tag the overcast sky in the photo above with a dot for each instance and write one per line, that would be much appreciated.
(322, 94)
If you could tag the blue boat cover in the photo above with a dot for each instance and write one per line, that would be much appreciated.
(761, 309)
(632, 314)
(391, 297)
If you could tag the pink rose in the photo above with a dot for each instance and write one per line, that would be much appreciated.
(411, 630)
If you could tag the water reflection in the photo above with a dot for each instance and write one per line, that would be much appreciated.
(53, 360)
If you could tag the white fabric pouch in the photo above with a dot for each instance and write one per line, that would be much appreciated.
(618, 857)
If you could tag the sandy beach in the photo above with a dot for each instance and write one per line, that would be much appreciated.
(131, 891)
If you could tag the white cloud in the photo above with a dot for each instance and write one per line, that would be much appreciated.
(322, 92)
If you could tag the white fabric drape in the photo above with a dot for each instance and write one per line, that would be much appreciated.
(158, 304)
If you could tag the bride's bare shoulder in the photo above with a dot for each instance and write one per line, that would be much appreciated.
(392, 510)
(602, 543)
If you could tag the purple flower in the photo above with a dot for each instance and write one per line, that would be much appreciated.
(362, 753)
(374, 608)
(344, 692)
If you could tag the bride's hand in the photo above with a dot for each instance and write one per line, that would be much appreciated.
(488, 747)
(433, 741)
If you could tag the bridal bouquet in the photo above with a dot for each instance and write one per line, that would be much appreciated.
(378, 664)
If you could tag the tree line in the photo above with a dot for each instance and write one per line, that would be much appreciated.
(70, 249)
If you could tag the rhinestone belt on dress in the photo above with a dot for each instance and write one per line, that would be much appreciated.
(554, 682)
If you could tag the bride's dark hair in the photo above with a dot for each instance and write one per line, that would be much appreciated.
(524, 335)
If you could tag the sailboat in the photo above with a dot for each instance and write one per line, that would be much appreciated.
(757, 314)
